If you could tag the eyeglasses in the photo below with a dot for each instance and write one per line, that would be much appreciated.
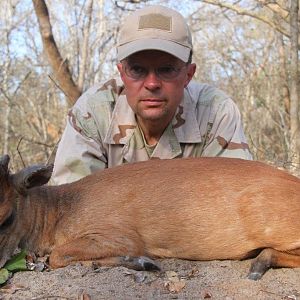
(165, 73)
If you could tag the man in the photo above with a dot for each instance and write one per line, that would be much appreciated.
(155, 110)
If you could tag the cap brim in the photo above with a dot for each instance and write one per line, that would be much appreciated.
(172, 48)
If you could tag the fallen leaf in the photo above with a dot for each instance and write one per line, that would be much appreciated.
(38, 266)
(84, 296)
(175, 287)
(30, 266)
(193, 273)
(128, 273)
(174, 284)
(30, 257)
(12, 288)
(207, 295)
(44, 259)
(172, 276)
(291, 297)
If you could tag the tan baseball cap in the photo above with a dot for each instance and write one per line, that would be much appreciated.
(155, 28)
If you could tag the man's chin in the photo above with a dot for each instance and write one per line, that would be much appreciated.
(151, 115)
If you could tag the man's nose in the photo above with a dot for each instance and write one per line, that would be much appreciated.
(152, 81)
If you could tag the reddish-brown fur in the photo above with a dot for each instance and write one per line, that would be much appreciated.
(198, 209)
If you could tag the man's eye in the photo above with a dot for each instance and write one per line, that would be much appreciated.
(137, 70)
(167, 70)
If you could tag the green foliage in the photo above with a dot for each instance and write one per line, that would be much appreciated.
(16, 263)
(4, 275)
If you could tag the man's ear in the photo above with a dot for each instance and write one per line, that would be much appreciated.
(120, 69)
(191, 69)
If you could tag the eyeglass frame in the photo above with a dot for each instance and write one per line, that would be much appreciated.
(156, 71)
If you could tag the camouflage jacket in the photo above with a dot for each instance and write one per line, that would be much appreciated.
(102, 132)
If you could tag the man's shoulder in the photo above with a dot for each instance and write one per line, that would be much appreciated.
(205, 94)
(101, 94)
(93, 110)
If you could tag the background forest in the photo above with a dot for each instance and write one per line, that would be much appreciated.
(51, 51)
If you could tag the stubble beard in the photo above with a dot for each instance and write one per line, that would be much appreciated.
(153, 114)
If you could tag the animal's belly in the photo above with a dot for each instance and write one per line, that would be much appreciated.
(205, 251)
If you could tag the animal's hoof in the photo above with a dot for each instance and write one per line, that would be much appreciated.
(148, 264)
(140, 263)
(255, 275)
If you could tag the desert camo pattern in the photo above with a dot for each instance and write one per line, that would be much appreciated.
(102, 131)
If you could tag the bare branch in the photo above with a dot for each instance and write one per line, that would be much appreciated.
(20, 84)
(20, 152)
(57, 85)
(241, 11)
(275, 7)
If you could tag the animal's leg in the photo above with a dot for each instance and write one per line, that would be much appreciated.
(294, 251)
(270, 258)
(89, 250)
(139, 263)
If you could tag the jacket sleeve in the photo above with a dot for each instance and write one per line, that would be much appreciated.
(226, 137)
(80, 151)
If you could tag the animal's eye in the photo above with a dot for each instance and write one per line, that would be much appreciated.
(8, 222)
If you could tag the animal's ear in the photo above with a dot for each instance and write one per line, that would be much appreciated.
(32, 176)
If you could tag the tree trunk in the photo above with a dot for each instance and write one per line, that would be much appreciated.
(294, 83)
(59, 65)
(85, 45)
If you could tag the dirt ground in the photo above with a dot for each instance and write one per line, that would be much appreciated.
(179, 279)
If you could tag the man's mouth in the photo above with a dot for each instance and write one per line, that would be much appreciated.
(152, 101)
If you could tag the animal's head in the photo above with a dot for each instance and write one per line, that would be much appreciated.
(13, 189)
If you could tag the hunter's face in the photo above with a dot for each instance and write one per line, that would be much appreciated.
(154, 83)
